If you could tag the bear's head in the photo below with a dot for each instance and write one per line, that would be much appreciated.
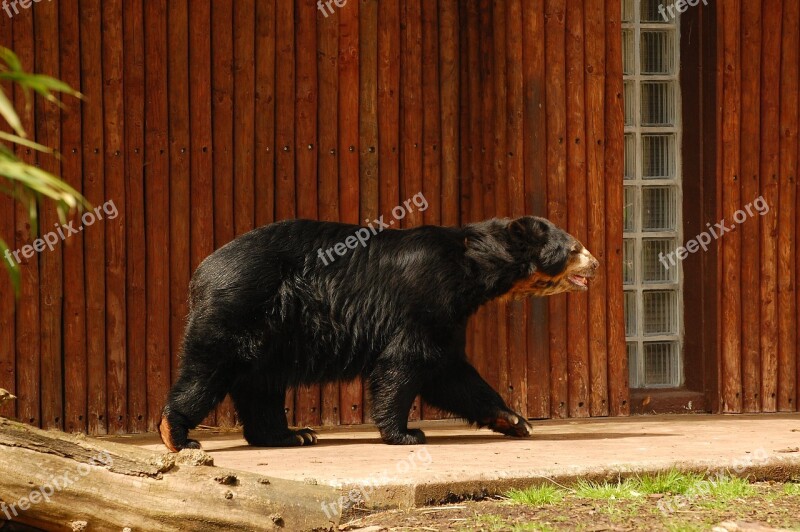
(553, 261)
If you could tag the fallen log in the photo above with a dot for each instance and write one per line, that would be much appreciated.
(57, 481)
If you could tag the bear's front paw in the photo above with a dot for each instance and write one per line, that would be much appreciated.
(291, 438)
(411, 437)
(511, 425)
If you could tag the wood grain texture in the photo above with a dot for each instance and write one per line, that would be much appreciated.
(156, 179)
(731, 200)
(48, 132)
(308, 62)
(751, 129)
(94, 236)
(334, 397)
(180, 177)
(517, 380)
(329, 157)
(555, 35)
(265, 114)
(617, 353)
(285, 184)
(577, 304)
(134, 94)
(769, 168)
(8, 360)
(594, 87)
(114, 205)
(787, 231)
(535, 167)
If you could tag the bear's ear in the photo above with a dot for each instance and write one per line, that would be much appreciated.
(529, 229)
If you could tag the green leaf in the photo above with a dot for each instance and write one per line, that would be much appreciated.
(12, 267)
(10, 59)
(7, 111)
(24, 142)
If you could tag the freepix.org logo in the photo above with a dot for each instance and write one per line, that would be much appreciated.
(363, 234)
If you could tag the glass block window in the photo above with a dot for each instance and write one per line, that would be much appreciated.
(652, 213)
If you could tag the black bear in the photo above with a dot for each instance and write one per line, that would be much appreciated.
(300, 302)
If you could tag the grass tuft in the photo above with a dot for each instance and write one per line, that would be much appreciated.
(791, 488)
(623, 489)
(538, 495)
(672, 482)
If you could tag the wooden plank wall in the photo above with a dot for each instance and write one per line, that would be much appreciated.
(202, 123)
(759, 49)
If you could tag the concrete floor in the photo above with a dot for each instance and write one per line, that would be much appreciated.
(460, 461)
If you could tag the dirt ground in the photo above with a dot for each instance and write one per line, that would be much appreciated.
(772, 505)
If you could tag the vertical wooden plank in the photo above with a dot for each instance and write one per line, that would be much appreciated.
(449, 89)
(222, 143)
(486, 361)
(577, 304)
(133, 59)
(179, 176)
(476, 122)
(243, 115)
(27, 326)
(285, 193)
(93, 185)
(555, 72)
(307, 398)
(535, 147)
(410, 109)
(114, 172)
(500, 344)
(614, 157)
(389, 103)
(222, 117)
(410, 66)
(430, 97)
(751, 129)
(265, 113)
(787, 240)
(156, 178)
(201, 162)
(7, 297)
(595, 46)
(351, 401)
(731, 244)
(329, 156)
(769, 167)
(351, 392)
(517, 338)
(48, 132)
(465, 116)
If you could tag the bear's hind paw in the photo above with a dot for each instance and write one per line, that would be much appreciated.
(412, 437)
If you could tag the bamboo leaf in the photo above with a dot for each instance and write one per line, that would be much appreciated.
(11, 266)
(24, 142)
(10, 115)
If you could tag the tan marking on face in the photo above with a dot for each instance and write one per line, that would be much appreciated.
(539, 284)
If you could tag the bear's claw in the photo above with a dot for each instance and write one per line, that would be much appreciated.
(511, 425)
(292, 438)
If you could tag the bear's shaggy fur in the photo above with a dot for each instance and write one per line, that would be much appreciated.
(267, 312)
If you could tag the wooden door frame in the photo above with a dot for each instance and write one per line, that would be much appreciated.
(698, 80)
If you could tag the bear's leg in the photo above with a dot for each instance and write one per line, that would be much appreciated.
(261, 410)
(200, 387)
(393, 391)
(459, 389)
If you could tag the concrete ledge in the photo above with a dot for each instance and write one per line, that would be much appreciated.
(461, 462)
